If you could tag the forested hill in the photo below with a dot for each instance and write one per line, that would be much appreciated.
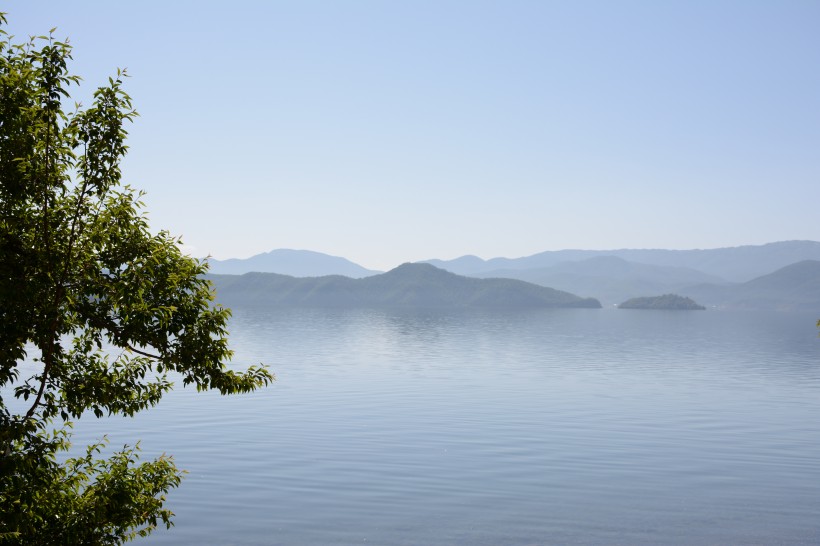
(409, 285)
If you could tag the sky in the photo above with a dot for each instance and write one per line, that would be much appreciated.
(388, 132)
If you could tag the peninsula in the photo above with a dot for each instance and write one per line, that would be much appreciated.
(409, 285)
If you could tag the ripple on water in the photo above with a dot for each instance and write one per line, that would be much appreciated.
(564, 426)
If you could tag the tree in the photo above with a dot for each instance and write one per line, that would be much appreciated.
(80, 272)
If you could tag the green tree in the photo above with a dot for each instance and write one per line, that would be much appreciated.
(80, 272)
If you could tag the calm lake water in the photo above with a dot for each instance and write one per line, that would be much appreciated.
(487, 428)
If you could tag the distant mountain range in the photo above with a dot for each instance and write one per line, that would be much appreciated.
(298, 263)
(772, 276)
(409, 285)
(735, 264)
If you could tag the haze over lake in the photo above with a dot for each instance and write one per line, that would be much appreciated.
(556, 426)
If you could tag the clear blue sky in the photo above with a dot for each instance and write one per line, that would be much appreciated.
(398, 131)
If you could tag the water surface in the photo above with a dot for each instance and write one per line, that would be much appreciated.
(519, 428)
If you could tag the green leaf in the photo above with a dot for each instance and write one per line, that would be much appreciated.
(81, 269)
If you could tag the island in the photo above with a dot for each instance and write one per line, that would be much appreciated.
(666, 301)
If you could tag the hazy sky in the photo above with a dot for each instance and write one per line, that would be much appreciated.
(394, 131)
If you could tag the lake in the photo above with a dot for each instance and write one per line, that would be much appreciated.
(493, 428)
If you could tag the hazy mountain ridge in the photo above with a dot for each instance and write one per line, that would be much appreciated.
(794, 287)
(297, 263)
(736, 264)
(409, 285)
(609, 278)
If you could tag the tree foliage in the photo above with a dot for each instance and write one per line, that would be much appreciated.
(80, 273)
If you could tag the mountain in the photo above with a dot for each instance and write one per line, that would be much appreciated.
(409, 285)
(794, 287)
(609, 278)
(736, 264)
(297, 263)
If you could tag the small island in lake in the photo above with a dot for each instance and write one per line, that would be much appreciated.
(667, 301)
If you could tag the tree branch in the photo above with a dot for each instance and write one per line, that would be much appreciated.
(143, 353)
